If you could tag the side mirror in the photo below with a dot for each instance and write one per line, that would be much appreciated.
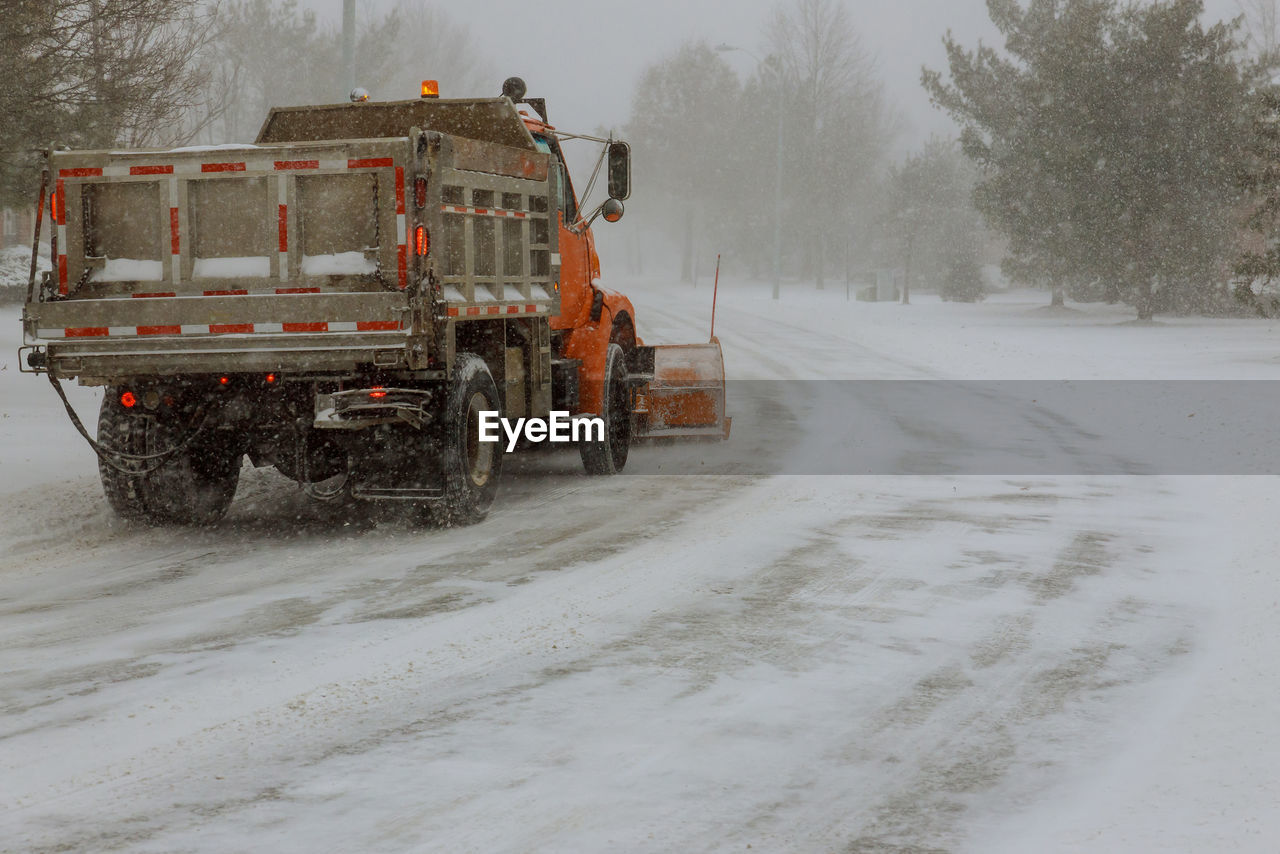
(611, 210)
(619, 173)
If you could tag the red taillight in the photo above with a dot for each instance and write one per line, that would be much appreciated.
(377, 393)
(420, 192)
(224, 380)
(422, 240)
(271, 378)
(128, 400)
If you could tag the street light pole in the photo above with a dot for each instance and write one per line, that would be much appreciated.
(348, 47)
(777, 171)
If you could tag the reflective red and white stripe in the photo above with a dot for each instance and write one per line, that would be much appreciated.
(175, 231)
(197, 168)
(489, 310)
(402, 233)
(498, 212)
(222, 329)
(283, 220)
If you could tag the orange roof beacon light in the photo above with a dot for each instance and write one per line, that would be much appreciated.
(431, 88)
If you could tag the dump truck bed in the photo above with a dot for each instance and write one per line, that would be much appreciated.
(300, 256)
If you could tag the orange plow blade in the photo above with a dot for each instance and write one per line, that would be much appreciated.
(686, 396)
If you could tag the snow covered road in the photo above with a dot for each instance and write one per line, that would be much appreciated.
(657, 663)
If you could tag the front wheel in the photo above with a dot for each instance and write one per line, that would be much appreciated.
(610, 455)
(471, 468)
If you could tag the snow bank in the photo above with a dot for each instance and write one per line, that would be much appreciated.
(1010, 336)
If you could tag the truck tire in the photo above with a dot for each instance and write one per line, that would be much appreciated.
(121, 430)
(196, 486)
(471, 468)
(610, 455)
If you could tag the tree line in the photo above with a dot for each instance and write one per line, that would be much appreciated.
(1125, 151)
(135, 73)
(1111, 149)
(799, 146)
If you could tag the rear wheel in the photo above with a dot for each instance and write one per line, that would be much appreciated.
(471, 468)
(194, 487)
(121, 430)
(610, 456)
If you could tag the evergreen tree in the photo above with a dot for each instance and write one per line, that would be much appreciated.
(1111, 139)
(962, 281)
(931, 219)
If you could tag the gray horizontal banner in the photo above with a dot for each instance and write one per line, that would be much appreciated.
(1018, 427)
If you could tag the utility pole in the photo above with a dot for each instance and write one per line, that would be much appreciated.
(348, 47)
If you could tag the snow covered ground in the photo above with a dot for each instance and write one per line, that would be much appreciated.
(667, 663)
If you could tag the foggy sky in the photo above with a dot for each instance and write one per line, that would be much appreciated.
(585, 56)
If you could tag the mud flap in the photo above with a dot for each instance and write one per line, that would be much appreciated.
(680, 392)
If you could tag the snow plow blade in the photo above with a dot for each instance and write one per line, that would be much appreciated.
(681, 392)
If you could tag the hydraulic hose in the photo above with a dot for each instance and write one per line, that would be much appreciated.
(109, 456)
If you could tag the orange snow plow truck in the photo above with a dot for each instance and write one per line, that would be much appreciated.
(352, 299)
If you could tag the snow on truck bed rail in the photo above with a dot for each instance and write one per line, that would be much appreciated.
(189, 149)
(339, 264)
(248, 267)
(128, 270)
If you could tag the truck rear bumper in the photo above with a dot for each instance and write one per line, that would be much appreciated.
(167, 356)
(180, 335)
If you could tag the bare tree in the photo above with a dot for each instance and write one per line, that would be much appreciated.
(685, 130)
(839, 126)
(265, 51)
(276, 53)
(430, 45)
(96, 73)
(1262, 25)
